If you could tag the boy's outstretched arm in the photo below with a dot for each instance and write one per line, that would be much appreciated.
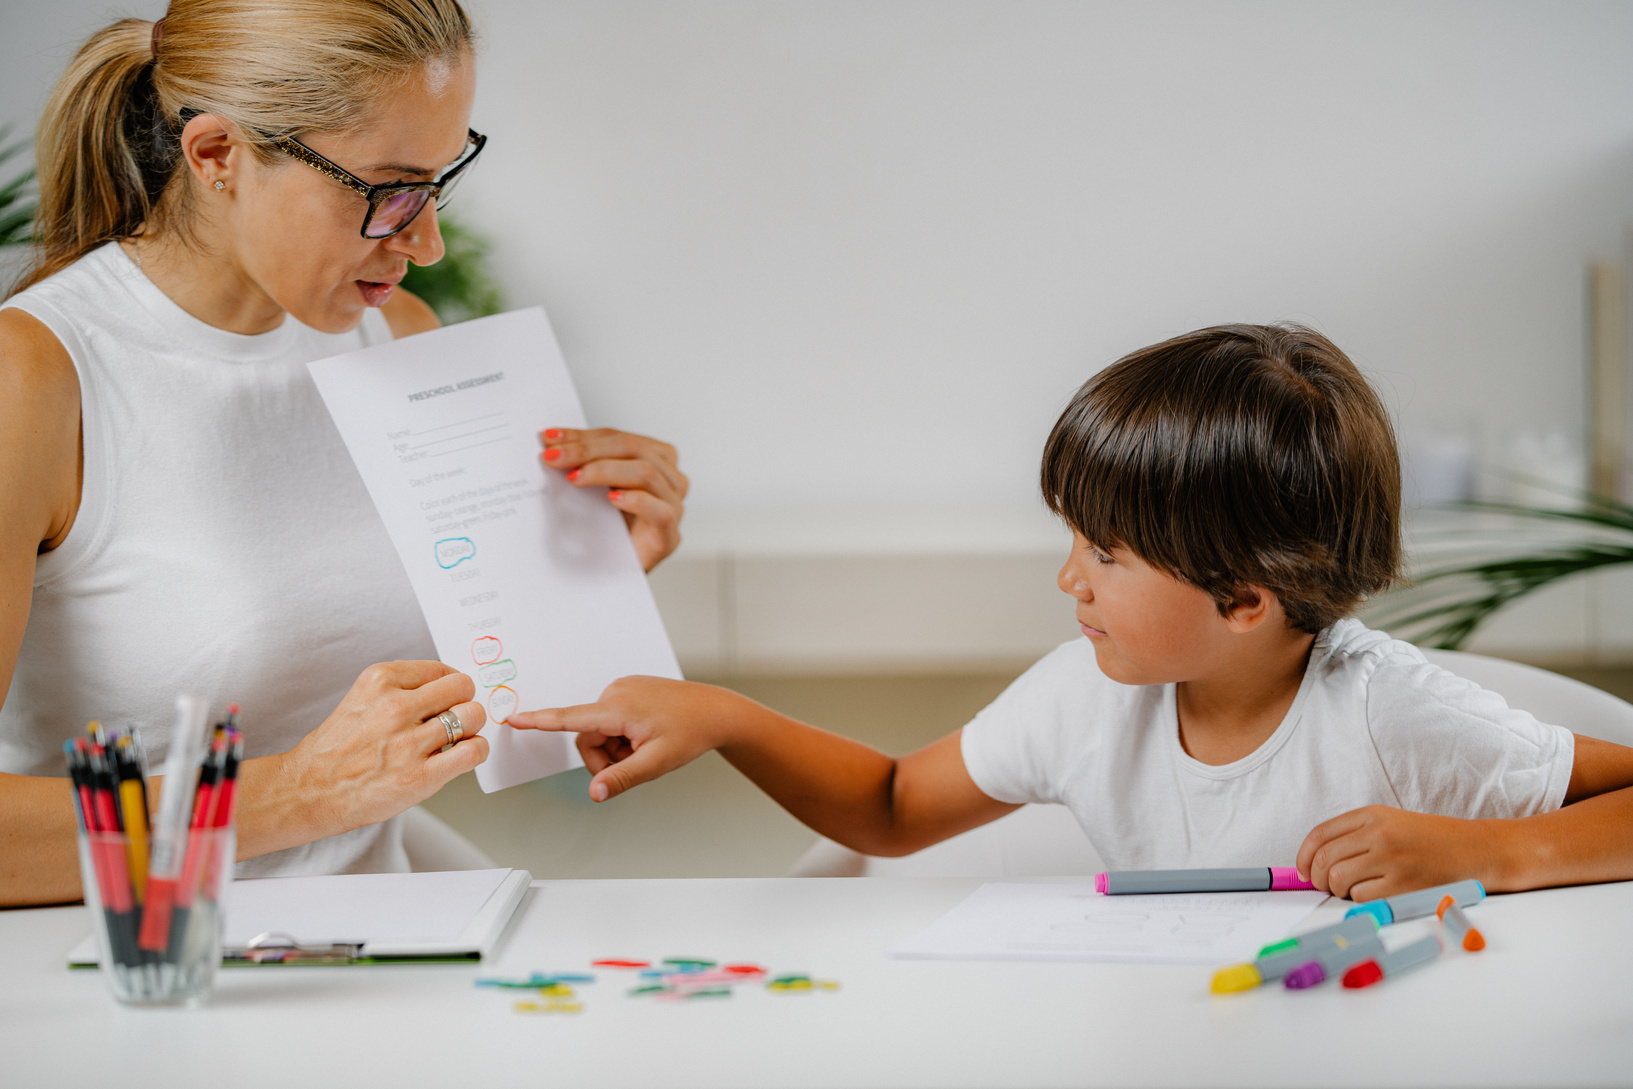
(645, 727)
(1380, 851)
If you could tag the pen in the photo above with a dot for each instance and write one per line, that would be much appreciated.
(221, 817)
(115, 877)
(197, 836)
(133, 810)
(169, 842)
(1415, 905)
(1380, 967)
(1245, 879)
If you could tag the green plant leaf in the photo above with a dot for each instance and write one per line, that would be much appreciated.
(458, 287)
(1446, 604)
(17, 204)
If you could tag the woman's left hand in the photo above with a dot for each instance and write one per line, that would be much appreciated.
(643, 476)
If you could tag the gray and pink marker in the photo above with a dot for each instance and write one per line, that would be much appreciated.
(1242, 879)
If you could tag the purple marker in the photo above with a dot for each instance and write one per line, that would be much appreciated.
(1244, 879)
(1332, 960)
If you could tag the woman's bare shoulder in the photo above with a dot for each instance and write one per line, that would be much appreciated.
(33, 362)
(39, 429)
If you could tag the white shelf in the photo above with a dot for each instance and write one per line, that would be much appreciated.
(924, 591)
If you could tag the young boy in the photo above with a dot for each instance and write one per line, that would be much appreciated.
(1233, 493)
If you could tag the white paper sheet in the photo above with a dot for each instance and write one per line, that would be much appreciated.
(528, 584)
(1073, 922)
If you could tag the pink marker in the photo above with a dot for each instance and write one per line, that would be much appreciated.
(1244, 879)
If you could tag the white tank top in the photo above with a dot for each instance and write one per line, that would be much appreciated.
(224, 545)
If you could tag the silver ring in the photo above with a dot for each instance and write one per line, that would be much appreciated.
(451, 724)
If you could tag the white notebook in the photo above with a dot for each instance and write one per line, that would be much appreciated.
(459, 915)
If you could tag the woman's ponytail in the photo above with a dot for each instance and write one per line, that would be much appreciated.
(98, 179)
(109, 143)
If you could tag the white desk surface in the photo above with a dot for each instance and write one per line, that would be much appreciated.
(1550, 1002)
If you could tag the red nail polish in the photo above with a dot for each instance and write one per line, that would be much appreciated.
(574, 474)
(615, 494)
(552, 455)
(552, 432)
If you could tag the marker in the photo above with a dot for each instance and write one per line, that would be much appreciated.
(170, 832)
(1332, 961)
(1349, 929)
(1371, 971)
(1453, 919)
(1246, 879)
(1415, 905)
(1277, 959)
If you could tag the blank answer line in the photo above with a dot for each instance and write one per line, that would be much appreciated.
(459, 423)
(472, 446)
(462, 435)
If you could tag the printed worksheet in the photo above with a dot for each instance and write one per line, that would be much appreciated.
(1011, 921)
(528, 584)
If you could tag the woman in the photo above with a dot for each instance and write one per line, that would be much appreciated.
(177, 512)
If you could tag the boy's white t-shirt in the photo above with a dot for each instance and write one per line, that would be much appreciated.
(1374, 723)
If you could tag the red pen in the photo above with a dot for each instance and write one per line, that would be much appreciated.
(198, 843)
(221, 817)
(117, 899)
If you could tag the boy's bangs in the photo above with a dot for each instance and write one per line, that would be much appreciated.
(1115, 473)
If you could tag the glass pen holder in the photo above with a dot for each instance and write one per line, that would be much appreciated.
(158, 937)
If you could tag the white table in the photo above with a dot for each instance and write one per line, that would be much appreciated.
(1550, 1002)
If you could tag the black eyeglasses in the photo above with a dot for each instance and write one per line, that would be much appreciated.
(391, 207)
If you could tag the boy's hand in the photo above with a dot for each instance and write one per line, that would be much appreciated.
(1380, 851)
(641, 728)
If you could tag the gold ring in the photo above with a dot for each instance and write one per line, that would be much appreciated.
(451, 724)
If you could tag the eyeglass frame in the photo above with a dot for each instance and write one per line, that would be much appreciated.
(377, 195)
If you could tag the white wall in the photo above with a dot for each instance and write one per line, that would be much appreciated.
(854, 257)
(861, 253)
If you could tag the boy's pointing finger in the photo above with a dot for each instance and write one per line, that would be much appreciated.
(583, 719)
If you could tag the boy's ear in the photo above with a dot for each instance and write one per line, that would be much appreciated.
(1252, 606)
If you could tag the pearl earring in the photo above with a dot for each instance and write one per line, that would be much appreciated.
(220, 185)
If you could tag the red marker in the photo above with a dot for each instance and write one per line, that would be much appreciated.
(1378, 968)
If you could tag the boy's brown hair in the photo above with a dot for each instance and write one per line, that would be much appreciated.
(1237, 455)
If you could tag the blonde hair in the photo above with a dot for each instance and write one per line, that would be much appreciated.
(108, 148)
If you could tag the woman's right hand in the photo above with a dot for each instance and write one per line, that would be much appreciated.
(379, 752)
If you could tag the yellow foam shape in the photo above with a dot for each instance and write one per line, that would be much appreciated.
(548, 1007)
(1238, 977)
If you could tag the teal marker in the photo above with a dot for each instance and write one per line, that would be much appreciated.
(1415, 905)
